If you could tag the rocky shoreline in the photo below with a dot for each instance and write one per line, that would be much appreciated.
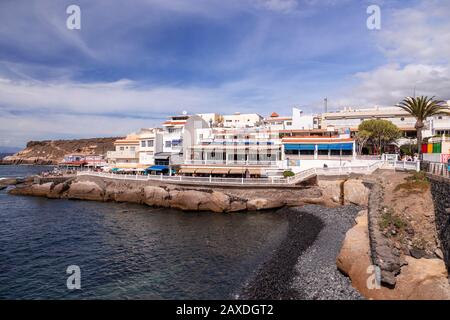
(304, 265)
(166, 195)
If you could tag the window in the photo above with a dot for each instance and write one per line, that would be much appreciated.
(150, 143)
(402, 119)
(440, 117)
(143, 144)
(168, 144)
(132, 148)
(289, 123)
(122, 148)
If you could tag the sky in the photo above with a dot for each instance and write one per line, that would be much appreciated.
(134, 63)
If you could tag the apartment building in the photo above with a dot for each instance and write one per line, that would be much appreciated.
(150, 143)
(242, 120)
(439, 124)
(277, 122)
(349, 118)
(232, 151)
(125, 155)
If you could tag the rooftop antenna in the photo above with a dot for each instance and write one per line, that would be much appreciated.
(325, 101)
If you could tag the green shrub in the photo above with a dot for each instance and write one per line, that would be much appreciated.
(417, 182)
(288, 173)
(389, 219)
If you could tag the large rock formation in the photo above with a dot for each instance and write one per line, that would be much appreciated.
(189, 198)
(355, 192)
(53, 151)
(331, 190)
(419, 278)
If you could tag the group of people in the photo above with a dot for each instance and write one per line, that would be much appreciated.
(406, 157)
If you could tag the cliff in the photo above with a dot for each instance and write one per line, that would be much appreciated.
(53, 151)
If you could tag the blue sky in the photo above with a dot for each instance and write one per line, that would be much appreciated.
(134, 63)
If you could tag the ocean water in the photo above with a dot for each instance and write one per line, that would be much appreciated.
(127, 251)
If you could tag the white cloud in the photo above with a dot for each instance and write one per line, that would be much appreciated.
(388, 84)
(416, 43)
(279, 5)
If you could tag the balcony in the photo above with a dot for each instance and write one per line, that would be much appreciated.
(122, 155)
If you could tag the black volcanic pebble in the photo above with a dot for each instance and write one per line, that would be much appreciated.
(304, 266)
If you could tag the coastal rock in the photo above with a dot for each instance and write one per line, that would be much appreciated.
(218, 202)
(331, 190)
(355, 192)
(419, 278)
(237, 204)
(38, 190)
(356, 242)
(263, 204)
(58, 190)
(189, 200)
(8, 182)
(85, 190)
(156, 196)
(127, 194)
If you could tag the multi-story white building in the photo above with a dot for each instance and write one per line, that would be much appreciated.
(242, 120)
(255, 146)
(277, 122)
(439, 124)
(126, 153)
(150, 143)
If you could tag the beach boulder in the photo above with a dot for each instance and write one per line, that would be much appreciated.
(85, 190)
(355, 192)
(156, 196)
(263, 204)
(331, 190)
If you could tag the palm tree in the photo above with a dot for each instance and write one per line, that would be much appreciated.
(421, 108)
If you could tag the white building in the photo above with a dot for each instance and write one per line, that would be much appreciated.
(126, 153)
(301, 121)
(277, 122)
(242, 120)
(150, 143)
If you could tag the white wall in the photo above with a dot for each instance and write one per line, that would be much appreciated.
(301, 121)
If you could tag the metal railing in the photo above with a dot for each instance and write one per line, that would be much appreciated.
(439, 169)
(232, 162)
(404, 165)
(187, 179)
(331, 171)
(298, 177)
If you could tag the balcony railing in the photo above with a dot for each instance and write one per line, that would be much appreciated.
(231, 162)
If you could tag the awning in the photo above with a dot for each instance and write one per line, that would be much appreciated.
(187, 170)
(299, 147)
(157, 168)
(237, 171)
(162, 155)
(220, 170)
(203, 170)
(254, 171)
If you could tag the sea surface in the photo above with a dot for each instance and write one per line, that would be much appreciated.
(127, 251)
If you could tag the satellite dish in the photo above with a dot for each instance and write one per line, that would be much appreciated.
(184, 112)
